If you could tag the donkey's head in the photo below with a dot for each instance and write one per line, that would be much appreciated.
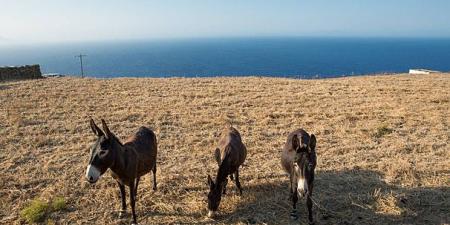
(304, 163)
(102, 154)
(214, 197)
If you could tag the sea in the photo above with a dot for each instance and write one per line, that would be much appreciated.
(298, 57)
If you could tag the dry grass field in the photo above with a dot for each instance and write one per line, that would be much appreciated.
(382, 145)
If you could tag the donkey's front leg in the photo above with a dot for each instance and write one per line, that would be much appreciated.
(294, 197)
(133, 201)
(124, 200)
(309, 205)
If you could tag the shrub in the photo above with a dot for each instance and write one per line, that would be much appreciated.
(35, 211)
(59, 203)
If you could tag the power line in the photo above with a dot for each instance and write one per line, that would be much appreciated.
(81, 63)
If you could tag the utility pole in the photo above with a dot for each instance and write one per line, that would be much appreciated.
(81, 64)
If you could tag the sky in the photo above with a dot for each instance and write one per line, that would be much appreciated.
(51, 21)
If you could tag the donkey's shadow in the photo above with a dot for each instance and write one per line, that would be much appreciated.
(343, 197)
(340, 197)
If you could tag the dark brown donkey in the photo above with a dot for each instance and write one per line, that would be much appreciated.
(229, 154)
(128, 162)
(299, 160)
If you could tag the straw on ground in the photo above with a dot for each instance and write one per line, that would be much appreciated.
(382, 145)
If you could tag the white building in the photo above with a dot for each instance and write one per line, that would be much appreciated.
(421, 71)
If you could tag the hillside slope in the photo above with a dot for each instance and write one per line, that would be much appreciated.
(383, 152)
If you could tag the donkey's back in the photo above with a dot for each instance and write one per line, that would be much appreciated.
(231, 144)
(144, 144)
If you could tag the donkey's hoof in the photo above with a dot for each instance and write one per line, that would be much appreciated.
(122, 214)
(294, 215)
(155, 188)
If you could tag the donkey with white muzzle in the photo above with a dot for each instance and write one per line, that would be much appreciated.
(128, 161)
(299, 161)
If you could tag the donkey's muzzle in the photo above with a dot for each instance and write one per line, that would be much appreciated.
(91, 179)
(302, 187)
(92, 174)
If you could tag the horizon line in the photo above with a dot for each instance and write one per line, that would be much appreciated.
(6, 42)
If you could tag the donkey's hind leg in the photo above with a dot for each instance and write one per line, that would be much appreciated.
(154, 177)
(136, 186)
(238, 184)
(225, 182)
(133, 201)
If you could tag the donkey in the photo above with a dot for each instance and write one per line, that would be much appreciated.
(299, 161)
(229, 155)
(128, 162)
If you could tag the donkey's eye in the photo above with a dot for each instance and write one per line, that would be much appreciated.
(102, 152)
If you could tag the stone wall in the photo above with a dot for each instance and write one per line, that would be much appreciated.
(20, 72)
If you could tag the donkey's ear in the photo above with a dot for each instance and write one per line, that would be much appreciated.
(106, 129)
(95, 129)
(312, 142)
(210, 182)
(295, 142)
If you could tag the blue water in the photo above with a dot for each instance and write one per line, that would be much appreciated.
(303, 57)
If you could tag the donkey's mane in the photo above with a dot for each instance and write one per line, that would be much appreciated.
(224, 167)
(114, 137)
